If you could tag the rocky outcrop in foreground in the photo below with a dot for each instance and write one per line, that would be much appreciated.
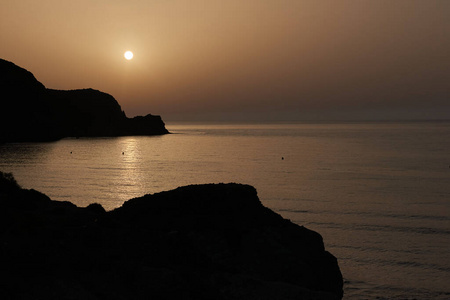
(214, 241)
(31, 112)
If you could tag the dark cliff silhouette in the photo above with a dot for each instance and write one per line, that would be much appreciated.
(31, 112)
(214, 241)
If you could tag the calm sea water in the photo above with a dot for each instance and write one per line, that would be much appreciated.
(378, 193)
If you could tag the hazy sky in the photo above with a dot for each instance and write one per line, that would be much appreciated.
(241, 59)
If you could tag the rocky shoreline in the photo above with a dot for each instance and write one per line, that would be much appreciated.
(33, 113)
(212, 241)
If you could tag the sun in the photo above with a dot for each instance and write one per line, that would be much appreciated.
(128, 55)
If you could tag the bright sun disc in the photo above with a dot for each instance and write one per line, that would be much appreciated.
(128, 55)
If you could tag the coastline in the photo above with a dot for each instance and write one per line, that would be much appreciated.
(195, 242)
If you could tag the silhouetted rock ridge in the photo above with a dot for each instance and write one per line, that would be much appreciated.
(30, 112)
(214, 241)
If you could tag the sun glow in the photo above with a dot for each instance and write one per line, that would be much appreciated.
(128, 55)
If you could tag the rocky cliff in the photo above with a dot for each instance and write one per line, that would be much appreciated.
(214, 241)
(31, 112)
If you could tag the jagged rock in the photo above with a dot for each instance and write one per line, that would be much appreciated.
(30, 112)
(214, 241)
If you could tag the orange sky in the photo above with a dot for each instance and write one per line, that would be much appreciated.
(241, 60)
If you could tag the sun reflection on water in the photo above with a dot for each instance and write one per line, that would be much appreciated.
(129, 180)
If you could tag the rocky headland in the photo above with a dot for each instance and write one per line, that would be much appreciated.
(213, 241)
(31, 112)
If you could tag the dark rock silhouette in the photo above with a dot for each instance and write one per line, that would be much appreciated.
(214, 241)
(30, 112)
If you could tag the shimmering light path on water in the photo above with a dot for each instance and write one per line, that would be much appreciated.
(379, 194)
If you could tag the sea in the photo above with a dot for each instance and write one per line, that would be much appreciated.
(377, 192)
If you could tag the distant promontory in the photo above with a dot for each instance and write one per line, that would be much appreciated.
(31, 112)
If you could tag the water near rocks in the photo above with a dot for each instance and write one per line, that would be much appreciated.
(378, 193)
